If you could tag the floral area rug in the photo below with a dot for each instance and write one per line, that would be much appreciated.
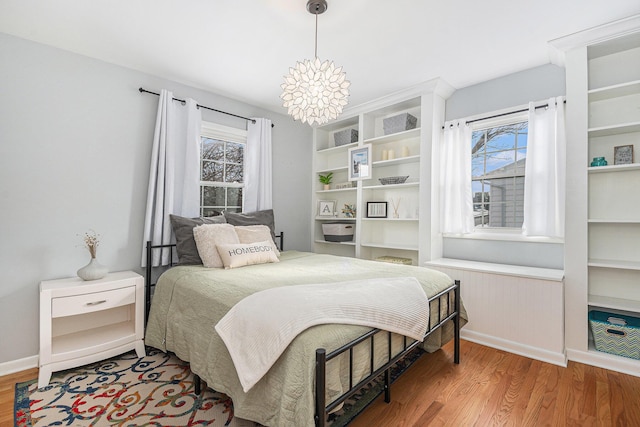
(156, 390)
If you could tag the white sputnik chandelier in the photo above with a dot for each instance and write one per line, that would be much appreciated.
(315, 91)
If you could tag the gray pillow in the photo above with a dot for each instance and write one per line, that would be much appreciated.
(264, 217)
(185, 243)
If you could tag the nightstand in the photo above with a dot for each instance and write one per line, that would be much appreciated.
(85, 321)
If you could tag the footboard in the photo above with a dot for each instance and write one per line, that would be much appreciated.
(322, 358)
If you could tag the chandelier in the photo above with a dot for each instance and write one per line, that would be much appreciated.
(315, 91)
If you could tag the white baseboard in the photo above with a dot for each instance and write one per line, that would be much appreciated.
(606, 361)
(559, 359)
(12, 366)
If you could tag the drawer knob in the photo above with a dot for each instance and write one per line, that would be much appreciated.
(97, 302)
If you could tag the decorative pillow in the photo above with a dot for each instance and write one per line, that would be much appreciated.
(183, 231)
(264, 217)
(254, 234)
(208, 236)
(241, 254)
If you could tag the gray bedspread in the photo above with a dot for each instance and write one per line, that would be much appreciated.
(188, 302)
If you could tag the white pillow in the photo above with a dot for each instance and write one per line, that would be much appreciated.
(255, 234)
(208, 236)
(241, 254)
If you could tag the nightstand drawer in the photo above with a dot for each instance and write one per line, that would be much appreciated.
(87, 303)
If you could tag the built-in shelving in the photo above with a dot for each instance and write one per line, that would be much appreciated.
(613, 218)
(405, 232)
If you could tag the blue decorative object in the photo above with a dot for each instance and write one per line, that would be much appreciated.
(599, 161)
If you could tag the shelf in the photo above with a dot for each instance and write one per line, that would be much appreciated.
(390, 246)
(85, 341)
(399, 136)
(608, 263)
(344, 148)
(390, 219)
(614, 221)
(614, 168)
(614, 303)
(338, 169)
(337, 190)
(614, 129)
(614, 91)
(336, 243)
(396, 186)
(333, 218)
(397, 161)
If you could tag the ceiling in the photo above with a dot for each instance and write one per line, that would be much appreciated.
(243, 48)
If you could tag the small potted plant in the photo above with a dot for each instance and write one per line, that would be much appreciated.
(326, 180)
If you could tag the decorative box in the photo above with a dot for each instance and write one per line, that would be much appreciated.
(346, 136)
(399, 123)
(615, 333)
(338, 231)
(343, 185)
(395, 260)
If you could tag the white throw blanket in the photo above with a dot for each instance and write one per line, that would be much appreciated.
(259, 328)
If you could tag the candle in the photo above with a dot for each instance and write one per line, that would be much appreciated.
(385, 155)
(405, 151)
(391, 154)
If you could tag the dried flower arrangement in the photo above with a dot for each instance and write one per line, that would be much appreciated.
(91, 240)
(349, 211)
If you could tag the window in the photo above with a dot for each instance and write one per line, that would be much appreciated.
(498, 156)
(221, 169)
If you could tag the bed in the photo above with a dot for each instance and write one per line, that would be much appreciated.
(324, 365)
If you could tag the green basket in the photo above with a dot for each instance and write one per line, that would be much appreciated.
(615, 333)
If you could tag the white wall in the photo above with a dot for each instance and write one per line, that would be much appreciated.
(75, 142)
(513, 90)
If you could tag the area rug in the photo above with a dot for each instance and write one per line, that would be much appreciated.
(156, 390)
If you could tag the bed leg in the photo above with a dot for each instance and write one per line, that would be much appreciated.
(147, 284)
(197, 384)
(321, 361)
(456, 325)
(387, 386)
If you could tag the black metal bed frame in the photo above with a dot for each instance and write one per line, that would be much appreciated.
(322, 409)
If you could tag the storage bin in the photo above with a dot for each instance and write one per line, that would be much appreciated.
(338, 231)
(346, 136)
(399, 123)
(395, 260)
(615, 333)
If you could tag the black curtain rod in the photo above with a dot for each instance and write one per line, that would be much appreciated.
(504, 114)
(202, 106)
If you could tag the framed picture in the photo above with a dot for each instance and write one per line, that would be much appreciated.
(376, 209)
(326, 208)
(623, 155)
(360, 163)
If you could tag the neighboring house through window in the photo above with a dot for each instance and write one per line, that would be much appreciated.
(498, 156)
(221, 169)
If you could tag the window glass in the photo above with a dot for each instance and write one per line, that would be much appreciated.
(498, 156)
(221, 169)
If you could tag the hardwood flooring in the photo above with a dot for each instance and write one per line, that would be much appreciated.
(489, 388)
(7, 393)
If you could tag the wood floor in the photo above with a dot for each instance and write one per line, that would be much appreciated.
(489, 388)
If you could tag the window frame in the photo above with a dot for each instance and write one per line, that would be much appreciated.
(226, 134)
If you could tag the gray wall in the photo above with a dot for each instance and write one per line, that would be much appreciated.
(75, 143)
(512, 90)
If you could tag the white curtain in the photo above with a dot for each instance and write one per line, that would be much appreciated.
(174, 181)
(455, 179)
(544, 186)
(258, 166)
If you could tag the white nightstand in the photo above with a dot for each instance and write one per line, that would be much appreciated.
(85, 321)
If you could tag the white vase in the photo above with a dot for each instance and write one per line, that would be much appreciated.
(93, 271)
